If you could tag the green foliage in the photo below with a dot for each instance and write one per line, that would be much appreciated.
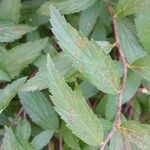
(12, 142)
(137, 133)
(10, 10)
(61, 76)
(42, 139)
(142, 67)
(16, 59)
(10, 32)
(9, 92)
(129, 7)
(88, 19)
(66, 6)
(71, 140)
(23, 129)
(39, 109)
(142, 23)
(129, 41)
(77, 49)
(73, 108)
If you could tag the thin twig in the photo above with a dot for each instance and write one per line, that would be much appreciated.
(49, 146)
(17, 116)
(60, 142)
(122, 88)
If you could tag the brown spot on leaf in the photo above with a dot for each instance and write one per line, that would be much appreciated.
(70, 119)
(82, 42)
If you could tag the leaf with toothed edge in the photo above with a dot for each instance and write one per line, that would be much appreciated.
(66, 6)
(73, 108)
(9, 92)
(136, 133)
(19, 57)
(86, 55)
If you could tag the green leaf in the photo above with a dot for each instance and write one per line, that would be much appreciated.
(88, 90)
(129, 41)
(39, 109)
(88, 19)
(9, 92)
(42, 139)
(142, 67)
(4, 76)
(10, 32)
(39, 81)
(131, 87)
(129, 7)
(10, 10)
(71, 140)
(137, 133)
(73, 109)
(23, 129)
(142, 23)
(86, 55)
(16, 59)
(11, 142)
(118, 142)
(66, 6)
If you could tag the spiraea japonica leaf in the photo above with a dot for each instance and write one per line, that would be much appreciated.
(67, 6)
(73, 108)
(12, 142)
(10, 10)
(142, 67)
(118, 142)
(42, 139)
(86, 55)
(39, 109)
(39, 81)
(137, 133)
(129, 41)
(16, 59)
(88, 19)
(9, 92)
(23, 129)
(129, 7)
(70, 139)
(142, 22)
(4, 76)
(132, 84)
(10, 32)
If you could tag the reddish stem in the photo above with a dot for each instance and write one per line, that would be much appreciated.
(125, 70)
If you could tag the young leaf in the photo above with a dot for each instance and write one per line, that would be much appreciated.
(10, 10)
(142, 67)
(73, 109)
(66, 6)
(142, 23)
(42, 139)
(11, 142)
(16, 59)
(129, 7)
(129, 41)
(88, 19)
(9, 92)
(39, 109)
(136, 133)
(85, 55)
(23, 129)
(10, 32)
